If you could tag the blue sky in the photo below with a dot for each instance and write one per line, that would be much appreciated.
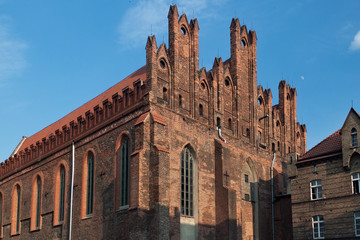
(57, 55)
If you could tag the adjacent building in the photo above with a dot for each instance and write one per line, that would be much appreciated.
(325, 189)
(170, 152)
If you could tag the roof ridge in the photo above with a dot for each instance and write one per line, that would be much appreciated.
(90, 115)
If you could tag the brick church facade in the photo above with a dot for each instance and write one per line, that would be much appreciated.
(170, 152)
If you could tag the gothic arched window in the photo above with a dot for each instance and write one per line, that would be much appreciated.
(122, 171)
(88, 185)
(59, 203)
(36, 204)
(15, 210)
(187, 183)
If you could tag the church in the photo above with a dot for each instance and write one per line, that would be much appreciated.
(170, 152)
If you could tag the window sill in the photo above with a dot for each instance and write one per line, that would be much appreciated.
(58, 224)
(317, 199)
(123, 208)
(35, 230)
(87, 217)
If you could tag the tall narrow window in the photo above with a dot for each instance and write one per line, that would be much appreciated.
(357, 223)
(318, 227)
(259, 136)
(316, 189)
(248, 132)
(123, 172)
(87, 199)
(355, 183)
(15, 210)
(180, 101)
(354, 141)
(187, 186)
(59, 198)
(165, 94)
(36, 204)
(218, 122)
(62, 194)
(201, 111)
(90, 183)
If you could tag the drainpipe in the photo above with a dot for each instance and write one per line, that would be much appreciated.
(219, 131)
(72, 187)
(272, 198)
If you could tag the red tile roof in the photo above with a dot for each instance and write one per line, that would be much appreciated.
(142, 118)
(161, 148)
(117, 88)
(158, 118)
(329, 145)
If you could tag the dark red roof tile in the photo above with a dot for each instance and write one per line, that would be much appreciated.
(117, 88)
(142, 118)
(329, 145)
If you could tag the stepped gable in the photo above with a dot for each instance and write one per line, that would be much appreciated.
(329, 145)
(117, 88)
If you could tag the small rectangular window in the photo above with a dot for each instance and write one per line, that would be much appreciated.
(247, 197)
(318, 227)
(316, 189)
(246, 178)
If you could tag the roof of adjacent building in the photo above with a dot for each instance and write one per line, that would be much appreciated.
(329, 145)
(117, 88)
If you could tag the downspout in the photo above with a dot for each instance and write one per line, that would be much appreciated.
(72, 187)
(272, 198)
(219, 131)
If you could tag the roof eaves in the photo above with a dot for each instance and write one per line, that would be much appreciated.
(311, 159)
